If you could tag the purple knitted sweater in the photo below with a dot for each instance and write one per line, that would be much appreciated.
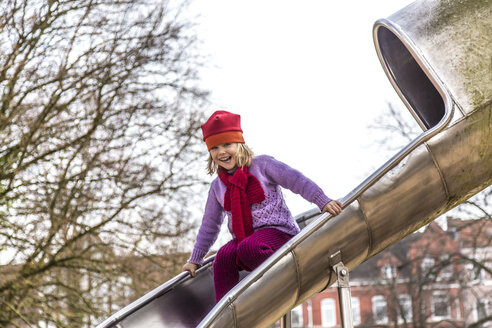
(271, 213)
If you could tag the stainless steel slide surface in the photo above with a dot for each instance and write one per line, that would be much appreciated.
(438, 57)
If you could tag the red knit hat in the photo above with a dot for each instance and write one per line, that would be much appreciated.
(222, 127)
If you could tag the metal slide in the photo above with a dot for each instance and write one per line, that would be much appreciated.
(438, 56)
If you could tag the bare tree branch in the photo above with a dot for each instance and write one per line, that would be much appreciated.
(100, 153)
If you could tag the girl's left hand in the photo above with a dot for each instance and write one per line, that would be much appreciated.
(334, 207)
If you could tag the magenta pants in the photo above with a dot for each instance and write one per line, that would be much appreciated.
(248, 255)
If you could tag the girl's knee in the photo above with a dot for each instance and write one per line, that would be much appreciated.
(228, 248)
(226, 254)
(251, 247)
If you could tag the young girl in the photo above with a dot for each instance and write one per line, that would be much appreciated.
(248, 190)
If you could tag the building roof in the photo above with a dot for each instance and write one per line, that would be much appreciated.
(433, 242)
(371, 269)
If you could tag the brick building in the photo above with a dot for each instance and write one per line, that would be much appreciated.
(434, 278)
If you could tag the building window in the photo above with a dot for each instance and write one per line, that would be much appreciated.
(405, 308)
(379, 309)
(388, 271)
(328, 312)
(310, 312)
(440, 306)
(427, 264)
(297, 316)
(446, 267)
(458, 308)
(482, 306)
(447, 272)
(478, 273)
(356, 310)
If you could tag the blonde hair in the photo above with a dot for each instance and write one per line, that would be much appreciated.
(243, 156)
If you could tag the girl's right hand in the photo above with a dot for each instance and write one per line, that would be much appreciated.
(191, 268)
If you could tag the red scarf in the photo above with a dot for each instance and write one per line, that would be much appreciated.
(243, 190)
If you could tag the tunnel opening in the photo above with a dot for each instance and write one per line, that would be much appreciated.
(424, 100)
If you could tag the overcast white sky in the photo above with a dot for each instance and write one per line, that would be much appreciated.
(306, 80)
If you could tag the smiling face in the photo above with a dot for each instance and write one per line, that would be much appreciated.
(224, 155)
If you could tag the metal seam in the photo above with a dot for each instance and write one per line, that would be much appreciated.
(234, 317)
(441, 175)
(298, 275)
(369, 230)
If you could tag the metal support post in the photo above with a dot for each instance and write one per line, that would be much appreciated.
(286, 321)
(344, 297)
